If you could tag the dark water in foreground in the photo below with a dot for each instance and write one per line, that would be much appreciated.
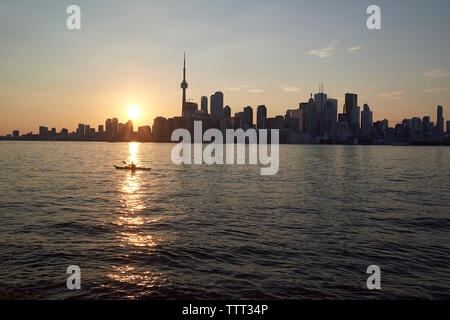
(224, 231)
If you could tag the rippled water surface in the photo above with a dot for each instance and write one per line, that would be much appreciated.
(199, 231)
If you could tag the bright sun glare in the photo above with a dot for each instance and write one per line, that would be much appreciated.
(134, 112)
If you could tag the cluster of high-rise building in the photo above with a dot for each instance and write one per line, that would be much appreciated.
(112, 130)
(314, 121)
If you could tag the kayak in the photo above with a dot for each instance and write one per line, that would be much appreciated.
(129, 168)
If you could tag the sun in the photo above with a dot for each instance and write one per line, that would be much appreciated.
(134, 112)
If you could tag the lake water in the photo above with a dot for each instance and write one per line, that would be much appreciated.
(224, 231)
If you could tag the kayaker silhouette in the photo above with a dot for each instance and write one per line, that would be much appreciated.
(132, 167)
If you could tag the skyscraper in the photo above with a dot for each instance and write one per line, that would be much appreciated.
(115, 128)
(87, 131)
(366, 120)
(238, 120)
(351, 102)
(129, 130)
(416, 125)
(440, 120)
(261, 117)
(184, 86)
(355, 122)
(310, 117)
(159, 129)
(217, 105)
(80, 131)
(108, 126)
(227, 112)
(320, 99)
(385, 124)
(248, 117)
(426, 124)
(204, 104)
(330, 118)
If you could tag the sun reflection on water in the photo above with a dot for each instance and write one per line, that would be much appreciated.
(138, 240)
(131, 221)
(134, 150)
(139, 278)
(126, 274)
(131, 193)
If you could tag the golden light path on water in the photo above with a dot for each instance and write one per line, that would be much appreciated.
(131, 221)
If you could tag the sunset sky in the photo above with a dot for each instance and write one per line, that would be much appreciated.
(256, 52)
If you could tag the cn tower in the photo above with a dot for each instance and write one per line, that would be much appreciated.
(184, 86)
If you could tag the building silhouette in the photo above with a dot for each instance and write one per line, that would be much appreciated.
(366, 120)
(248, 118)
(216, 103)
(227, 112)
(261, 117)
(330, 117)
(355, 119)
(440, 120)
(115, 129)
(351, 102)
(204, 104)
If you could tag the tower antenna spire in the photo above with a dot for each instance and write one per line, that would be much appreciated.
(184, 67)
(184, 85)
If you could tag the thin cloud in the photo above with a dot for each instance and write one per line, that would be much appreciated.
(353, 49)
(391, 94)
(433, 90)
(436, 74)
(324, 52)
(237, 88)
(372, 88)
(256, 90)
(290, 88)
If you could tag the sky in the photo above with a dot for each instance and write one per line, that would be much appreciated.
(256, 52)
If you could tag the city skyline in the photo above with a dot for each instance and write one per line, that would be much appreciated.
(315, 121)
(318, 117)
(263, 53)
